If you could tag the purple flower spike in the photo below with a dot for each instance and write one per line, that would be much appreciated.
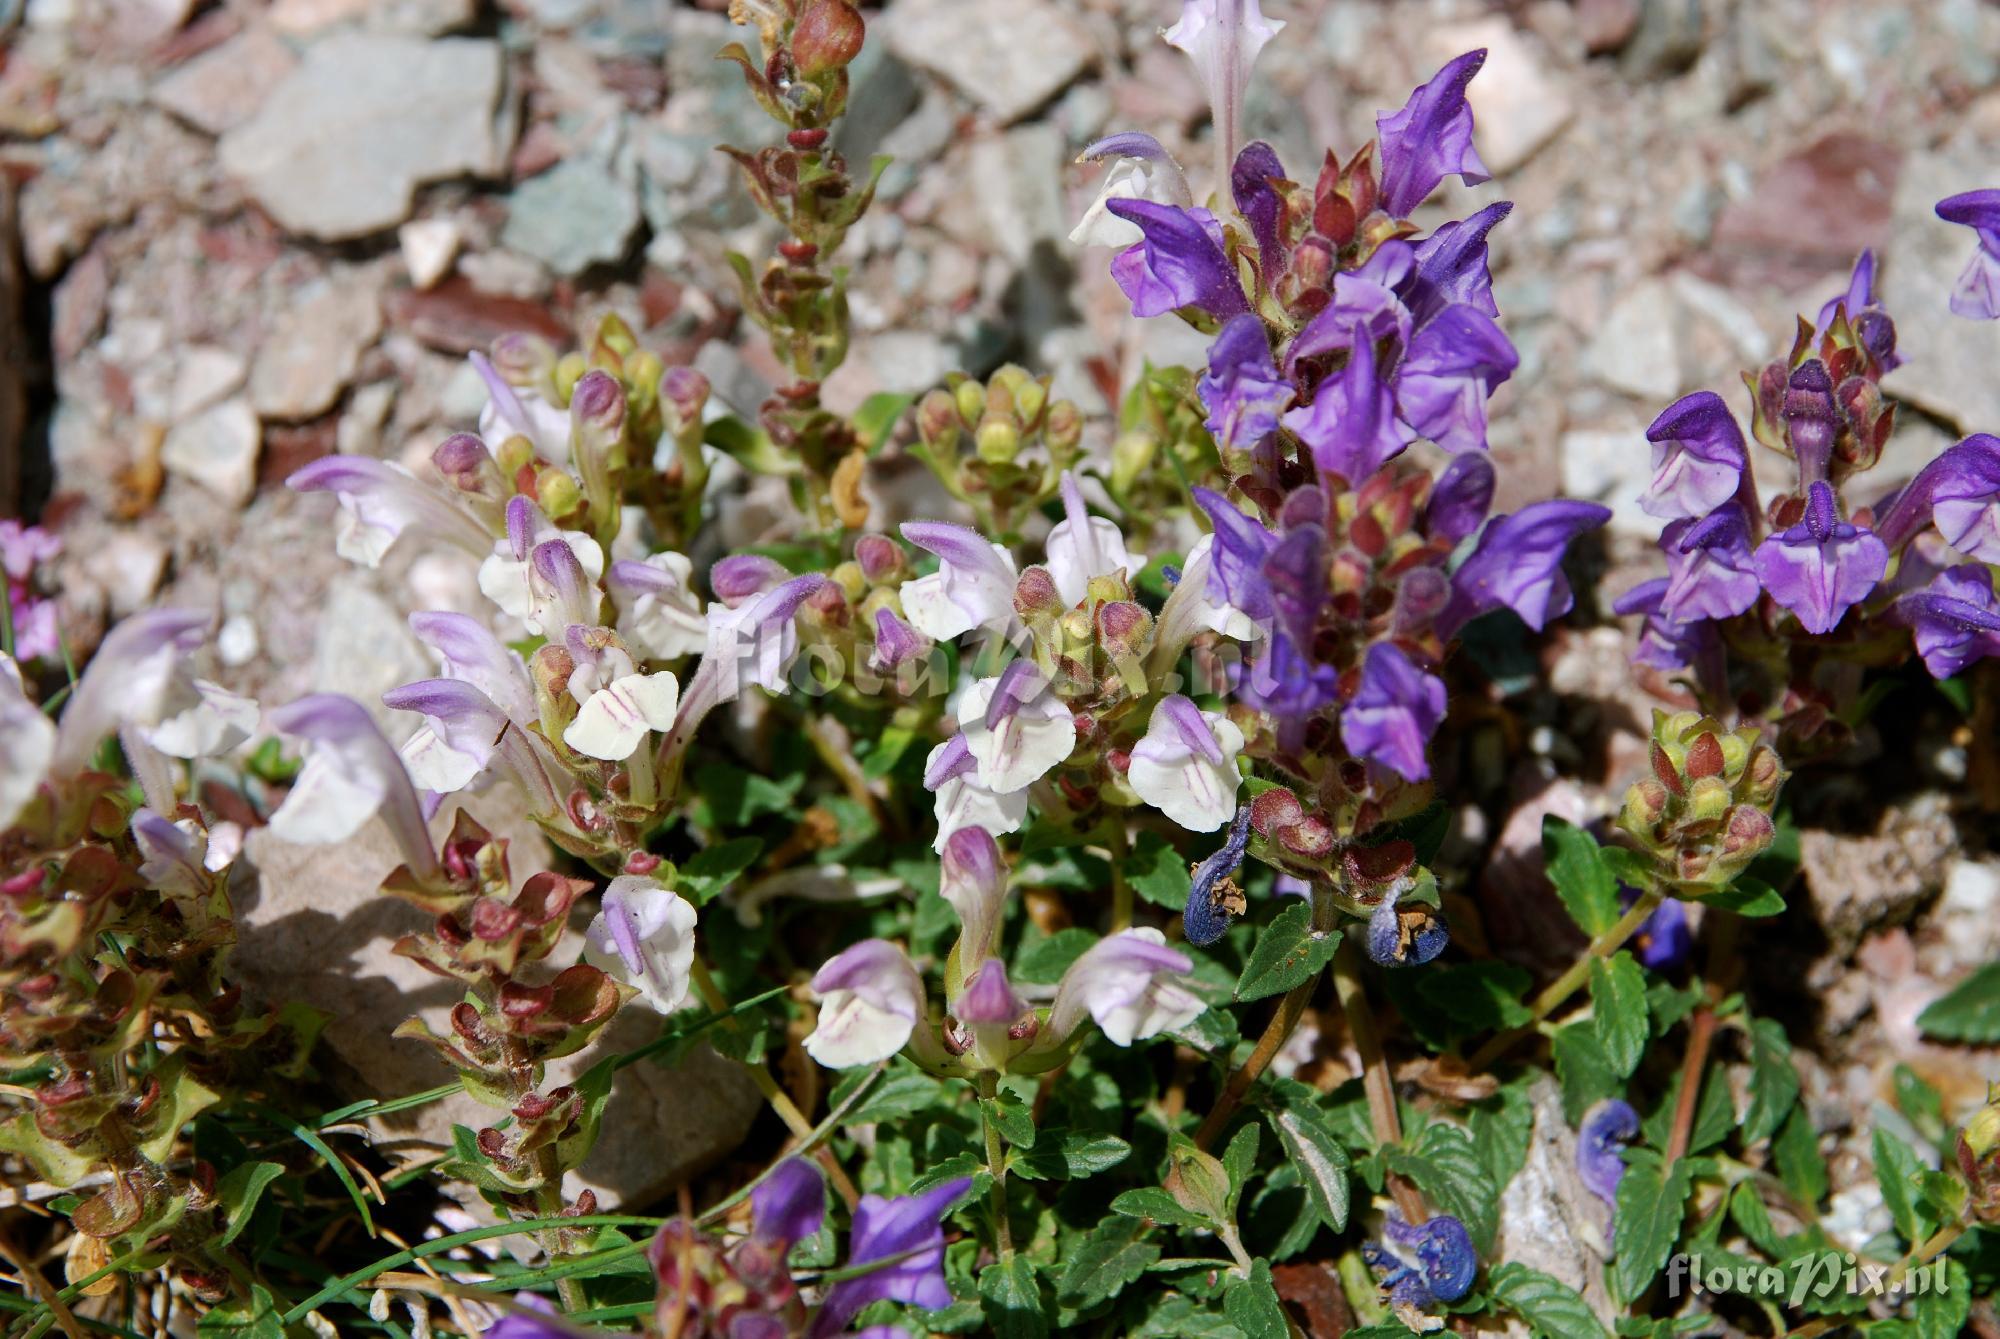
(1607, 1128)
(1242, 390)
(1709, 567)
(1430, 139)
(1956, 619)
(1394, 713)
(1517, 564)
(1452, 267)
(1181, 262)
(789, 1205)
(1698, 457)
(1351, 425)
(1455, 363)
(908, 1232)
(1977, 296)
(1463, 495)
(1823, 566)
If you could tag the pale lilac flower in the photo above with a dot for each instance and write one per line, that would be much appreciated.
(1180, 261)
(351, 773)
(507, 574)
(906, 1234)
(514, 412)
(1710, 572)
(466, 733)
(199, 719)
(379, 500)
(1955, 618)
(1430, 139)
(972, 588)
(1698, 457)
(1823, 566)
(1015, 728)
(1128, 984)
(130, 684)
(659, 612)
(871, 999)
(1394, 713)
(618, 705)
(1242, 390)
(1143, 171)
(989, 1009)
(27, 742)
(560, 593)
(643, 937)
(1352, 425)
(1186, 765)
(1607, 1128)
(756, 640)
(1223, 39)
(896, 642)
(973, 879)
(1082, 546)
(179, 858)
(1977, 296)
(22, 549)
(471, 652)
(951, 773)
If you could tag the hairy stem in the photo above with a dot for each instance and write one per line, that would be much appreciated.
(996, 1166)
(1569, 982)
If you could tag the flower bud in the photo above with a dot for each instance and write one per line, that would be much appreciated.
(1749, 833)
(523, 359)
(1132, 455)
(1124, 629)
(463, 461)
(1645, 805)
(1030, 399)
(683, 395)
(557, 492)
(598, 403)
(1982, 1132)
(743, 576)
(1064, 429)
(847, 577)
(550, 667)
(827, 38)
(1036, 596)
(881, 559)
(971, 400)
(938, 420)
(1708, 799)
(514, 453)
(998, 440)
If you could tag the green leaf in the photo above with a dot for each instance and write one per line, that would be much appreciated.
(903, 1091)
(1747, 1211)
(1747, 896)
(735, 796)
(877, 416)
(1252, 1306)
(1774, 1084)
(1483, 996)
(1069, 1155)
(255, 1317)
(53, 1161)
(1153, 1203)
(1446, 1167)
(1178, 1317)
(1618, 1010)
(1970, 1011)
(1012, 1117)
(1289, 953)
(1583, 1068)
(1714, 1113)
(1043, 962)
(1011, 1297)
(1553, 1309)
(1899, 1171)
(1111, 1255)
(1157, 872)
(1584, 882)
(238, 1191)
(1647, 1222)
(1941, 1312)
(1502, 1127)
(715, 868)
(1796, 1153)
(1314, 1151)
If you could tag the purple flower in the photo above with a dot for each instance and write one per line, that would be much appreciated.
(1977, 296)
(1455, 362)
(1242, 390)
(907, 1234)
(378, 501)
(22, 549)
(1811, 419)
(1459, 502)
(1394, 713)
(1405, 936)
(1663, 643)
(1236, 570)
(1870, 323)
(1452, 266)
(1430, 1262)
(1823, 566)
(1698, 457)
(1258, 201)
(1959, 492)
(1223, 38)
(1709, 569)
(1955, 618)
(1430, 139)
(1365, 307)
(1517, 563)
(1607, 1128)
(1285, 682)
(537, 1320)
(789, 1204)
(1181, 262)
(1351, 425)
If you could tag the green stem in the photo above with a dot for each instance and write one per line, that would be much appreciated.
(996, 1165)
(1118, 842)
(1569, 982)
(1375, 1080)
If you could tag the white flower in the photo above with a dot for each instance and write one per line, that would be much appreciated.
(615, 719)
(1082, 546)
(658, 609)
(179, 858)
(351, 774)
(870, 1000)
(644, 938)
(1143, 171)
(952, 774)
(1015, 728)
(1126, 983)
(505, 577)
(131, 681)
(1186, 765)
(379, 500)
(205, 719)
(1208, 612)
(756, 641)
(972, 588)
(513, 411)
(1222, 38)
(27, 742)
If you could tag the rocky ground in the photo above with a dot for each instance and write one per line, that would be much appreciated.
(250, 233)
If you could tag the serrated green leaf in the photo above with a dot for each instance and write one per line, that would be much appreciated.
(1941, 1313)
(1899, 1171)
(1714, 1113)
(1581, 878)
(1481, 996)
(1445, 1166)
(1043, 962)
(1618, 1010)
(1316, 1155)
(1647, 1222)
(1239, 1159)
(1583, 1069)
(1153, 1203)
(1289, 953)
(1178, 1317)
(1011, 1116)
(1795, 1150)
(714, 869)
(1774, 1084)
(1011, 1297)
(1747, 896)
(1552, 1309)
(1069, 1155)
(1748, 1212)
(1969, 1011)
(903, 1091)
(1111, 1255)
(1252, 1306)
(1502, 1127)
(1157, 872)
(255, 1317)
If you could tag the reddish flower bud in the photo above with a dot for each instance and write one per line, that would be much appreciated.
(827, 38)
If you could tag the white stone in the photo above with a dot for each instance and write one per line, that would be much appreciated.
(1518, 103)
(203, 375)
(429, 247)
(217, 448)
(127, 565)
(365, 648)
(223, 87)
(314, 347)
(1738, 324)
(1614, 467)
(1634, 350)
(237, 641)
(1009, 56)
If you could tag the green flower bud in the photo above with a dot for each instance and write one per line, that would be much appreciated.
(558, 493)
(971, 398)
(1131, 456)
(998, 440)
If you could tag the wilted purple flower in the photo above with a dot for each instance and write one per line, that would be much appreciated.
(1517, 563)
(1223, 38)
(1460, 500)
(1205, 919)
(1823, 566)
(1430, 139)
(1607, 1128)
(23, 548)
(1977, 295)
(1242, 390)
(1394, 713)
(1181, 262)
(788, 1205)
(1956, 619)
(907, 1235)
(1698, 457)
(1426, 1263)
(1351, 425)
(1710, 573)
(1400, 936)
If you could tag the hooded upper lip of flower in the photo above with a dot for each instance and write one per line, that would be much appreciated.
(1517, 563)
(972, 588)
(952, 773)
(1143, 171)
(351, 774)
(1186, 765)
(1955, 618)
(1081, 546)
(1125, 983)
(1698, 457)
(379, 500)
(130, 681)
(1223, 39)
(1430, 138)
(871, 999)
(644, 937)
(1977, 294)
